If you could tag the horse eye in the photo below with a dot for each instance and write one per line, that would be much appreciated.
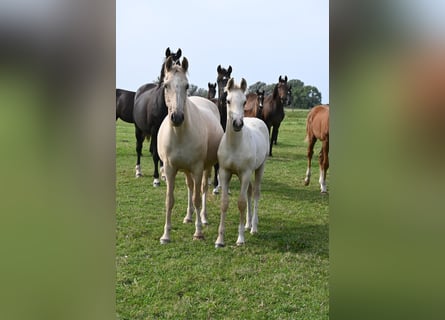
(228, 101)
(244, 103)
(187, 87)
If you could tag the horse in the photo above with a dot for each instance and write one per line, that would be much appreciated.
(223, 75)
(273, 110)
(188, 141)
(288, 103)
(124, 105)
(317, 127)
(254, 104)
(243, 151)
(212, 93)
(148, 113)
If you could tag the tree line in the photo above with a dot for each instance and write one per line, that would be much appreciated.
(303, 96)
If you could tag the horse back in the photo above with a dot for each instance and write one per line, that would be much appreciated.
(124, 105)
(210, 118)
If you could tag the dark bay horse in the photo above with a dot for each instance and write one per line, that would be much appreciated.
(212, 93)
(288, 103)
(254, 104)
(124, 105)
(273, 110)
(223, 76)
(149, 111)
(317, 127)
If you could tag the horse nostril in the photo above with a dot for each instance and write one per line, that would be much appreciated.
(177, 118)
(238, 124)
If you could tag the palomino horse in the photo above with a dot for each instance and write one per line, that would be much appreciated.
(273, 110)
(188, 141)
(223, 75)
(254, 104)
(317, 127)
(124, 105)
(243, 150)
(149, 111)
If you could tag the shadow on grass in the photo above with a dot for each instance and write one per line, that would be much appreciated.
(288, 236)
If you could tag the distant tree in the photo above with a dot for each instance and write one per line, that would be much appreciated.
(192, 90)
(201, 92)
(256, 86)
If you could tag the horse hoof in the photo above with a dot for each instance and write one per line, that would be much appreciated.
(138, 175)
(164, 241)
(323, 192)
(306, 182)
(239, 244)
(156, 183)
(215, 191)
(187, 220)
(198, 237)
(219, 245)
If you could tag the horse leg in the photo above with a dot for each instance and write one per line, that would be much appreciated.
(197, 202)
(249, 208)
(204, 189)
(224, 178)
(169, 202)
(216, 184)
(189, 215)
(139, 141)
(310, 153)
(155, 156)
(271, 140)
(275, 134)
(324, 165)
(256, 197)
(242, 204)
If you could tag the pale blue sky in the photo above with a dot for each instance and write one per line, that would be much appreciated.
(260, 39)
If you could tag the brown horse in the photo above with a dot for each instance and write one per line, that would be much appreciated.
(273, 110)
(317, 127)
(254, 104)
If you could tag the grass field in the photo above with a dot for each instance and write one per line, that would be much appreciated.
(280, 273)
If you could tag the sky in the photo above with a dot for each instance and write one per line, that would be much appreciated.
(260, 39)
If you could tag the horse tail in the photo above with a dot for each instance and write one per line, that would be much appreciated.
(308, 125)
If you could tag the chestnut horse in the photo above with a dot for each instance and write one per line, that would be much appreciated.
(223, 75)
(149, 111)
(188, 141)
(273, 110)
(317, 127)
(243, 151)
(254, 104)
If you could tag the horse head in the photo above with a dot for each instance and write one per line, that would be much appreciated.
(221, 80)
(175, 89)
(260, 97)
(281, 91)
(289, 96)
(175, 55)
(212, 90)
(236, 99)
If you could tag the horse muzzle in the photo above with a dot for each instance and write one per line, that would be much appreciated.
(237, 125)
(177, 118)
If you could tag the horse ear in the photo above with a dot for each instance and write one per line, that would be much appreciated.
(229, 70)
(262, 92)
(285, 78)
(279, 79)
(178, 53)
(243, 84)
(209, 84)
(167, 52)
(218, 69)
(168, 63)
(230, 84)
(185, 64)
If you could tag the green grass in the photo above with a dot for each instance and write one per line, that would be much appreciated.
(280, 273)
